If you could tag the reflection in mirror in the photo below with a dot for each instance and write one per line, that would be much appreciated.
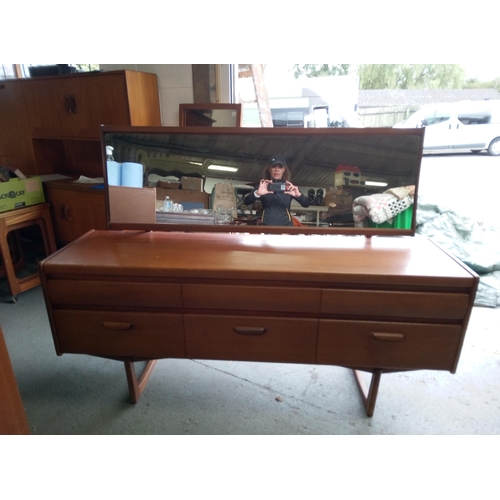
(210, 115)
(356, 181)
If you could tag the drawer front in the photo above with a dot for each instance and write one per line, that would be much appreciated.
(388, 345)
(250, 338)
(101, 333)
(114, 294)
(250, 298)
(395, 304)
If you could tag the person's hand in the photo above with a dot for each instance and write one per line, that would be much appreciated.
(262, 189)
(292, 189)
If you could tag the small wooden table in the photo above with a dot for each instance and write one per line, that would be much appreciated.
(17, 219)
(375, 305)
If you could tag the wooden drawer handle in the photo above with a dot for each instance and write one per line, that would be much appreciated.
(250, 330)
(116, 325)
(388, 337)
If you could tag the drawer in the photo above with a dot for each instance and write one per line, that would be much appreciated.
(114, 294)
(395, 304)
(250, 338)
(388, 345)
(252, 298)
(111, 333)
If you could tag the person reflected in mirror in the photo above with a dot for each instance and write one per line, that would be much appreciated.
(276, 192)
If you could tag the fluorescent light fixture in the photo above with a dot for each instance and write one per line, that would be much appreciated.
(223, 168)
(375, 183)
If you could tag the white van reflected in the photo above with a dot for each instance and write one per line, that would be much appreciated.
(464, 125)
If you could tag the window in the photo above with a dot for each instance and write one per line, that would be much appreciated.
(437, 117)
(8, 71)
(22, 70)
(475, 118)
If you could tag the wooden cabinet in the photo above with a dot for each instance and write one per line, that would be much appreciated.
(271, 298)
(76, 208)
(52, 125)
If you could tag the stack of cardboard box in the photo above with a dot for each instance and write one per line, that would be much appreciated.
(189, 192)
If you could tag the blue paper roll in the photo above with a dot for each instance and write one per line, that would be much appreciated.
(131, 174)
(114, 171)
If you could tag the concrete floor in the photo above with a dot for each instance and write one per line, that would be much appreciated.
(76, 394)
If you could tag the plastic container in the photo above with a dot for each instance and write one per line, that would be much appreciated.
(401, 221)
(113, 168)
(167, 204)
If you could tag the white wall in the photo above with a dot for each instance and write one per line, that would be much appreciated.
(175, 86)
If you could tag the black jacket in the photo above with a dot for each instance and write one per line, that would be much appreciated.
(276, 207)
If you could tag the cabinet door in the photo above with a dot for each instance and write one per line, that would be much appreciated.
(15, 144)
(99, 100)
(49, 108)
(75, 212)
(76, 106)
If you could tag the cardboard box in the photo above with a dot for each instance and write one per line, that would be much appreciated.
(338, 197)
(184, 195)
(191, 183)
(168, 184)
(18, 193)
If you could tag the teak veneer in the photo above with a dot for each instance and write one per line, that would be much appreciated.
(374, 305)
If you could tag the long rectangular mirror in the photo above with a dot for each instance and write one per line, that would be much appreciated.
(353, 181)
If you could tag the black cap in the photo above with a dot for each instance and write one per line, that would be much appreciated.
(277, 160)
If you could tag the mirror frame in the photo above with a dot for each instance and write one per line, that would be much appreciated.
(184, 109)
(314, 133)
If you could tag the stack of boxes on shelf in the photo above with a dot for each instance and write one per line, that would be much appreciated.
(188, 191)
(348, 184)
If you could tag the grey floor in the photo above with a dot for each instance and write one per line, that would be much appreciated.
(82, 395)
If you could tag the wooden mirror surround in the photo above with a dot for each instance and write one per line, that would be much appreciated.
(210, 115)
(344, 166)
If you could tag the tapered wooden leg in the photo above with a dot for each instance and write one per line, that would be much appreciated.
(369, 397)
(135, 385)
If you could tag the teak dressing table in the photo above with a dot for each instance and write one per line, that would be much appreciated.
(378, 305)
(374, 301)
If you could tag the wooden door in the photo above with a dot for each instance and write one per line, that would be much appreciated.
(76, 105)
(75, 210)
(15, 144)
(49, 107)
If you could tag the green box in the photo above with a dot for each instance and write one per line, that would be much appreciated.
(400, 221)
(19, 193)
